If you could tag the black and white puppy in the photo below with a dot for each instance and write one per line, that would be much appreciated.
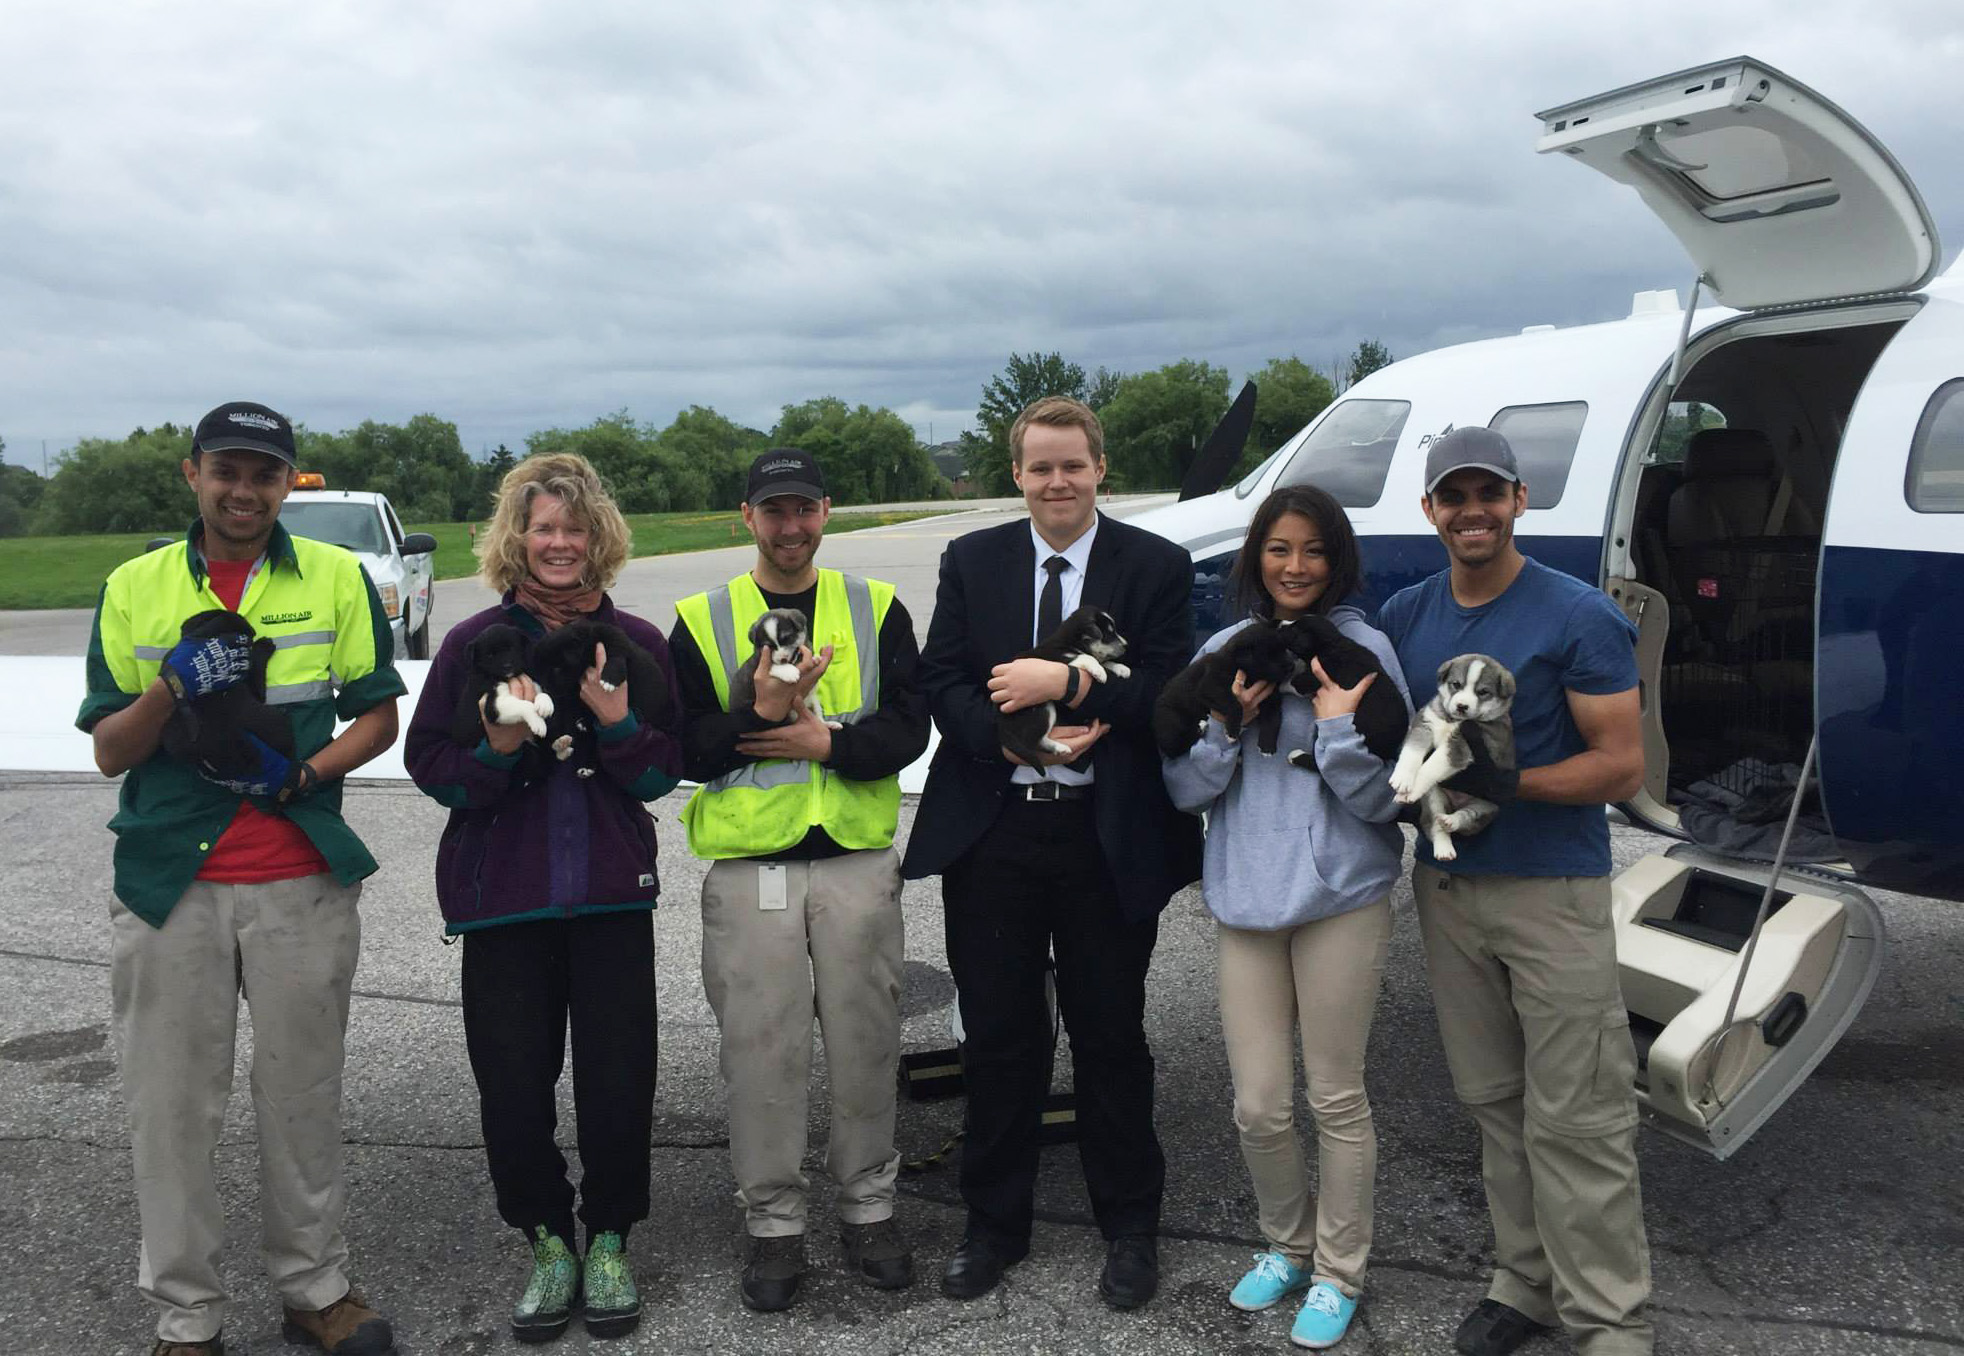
(1258, 650)
(558, 664)
(1088, 640)
(494, 657)
(1474, 702)
(210, 731)
(1380, 717)
(785, 633)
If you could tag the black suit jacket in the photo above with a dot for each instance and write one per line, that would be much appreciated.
(984, 611)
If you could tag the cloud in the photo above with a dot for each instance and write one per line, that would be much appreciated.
(521, 216)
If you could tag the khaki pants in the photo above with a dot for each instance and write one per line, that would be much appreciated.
(1322, 978)
(290, 947)
(835, 953)
(1531, 1012)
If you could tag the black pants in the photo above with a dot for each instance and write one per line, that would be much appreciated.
(1037, 884)
(521, 983)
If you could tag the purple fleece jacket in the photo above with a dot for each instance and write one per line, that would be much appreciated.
(558, 847)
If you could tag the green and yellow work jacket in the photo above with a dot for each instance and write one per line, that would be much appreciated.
(770, 805)
(334, 657)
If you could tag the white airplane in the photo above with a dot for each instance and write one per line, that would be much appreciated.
(1795, 569)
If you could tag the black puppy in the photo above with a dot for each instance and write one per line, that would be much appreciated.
(210, 731)
(1261, 652)
(559, 662)
(494, 657)
(1381, 716)
(1088, 640)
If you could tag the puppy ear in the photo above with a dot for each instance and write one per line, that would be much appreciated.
(1446, 668)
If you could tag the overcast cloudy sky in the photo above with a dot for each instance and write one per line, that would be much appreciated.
(518, 216)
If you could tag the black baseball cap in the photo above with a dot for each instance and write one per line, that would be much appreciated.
(1475, 447)
(785, 470)
(243, 426)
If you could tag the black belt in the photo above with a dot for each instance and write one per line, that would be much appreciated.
(1049, 791)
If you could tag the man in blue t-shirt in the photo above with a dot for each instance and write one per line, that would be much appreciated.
(1519, 942)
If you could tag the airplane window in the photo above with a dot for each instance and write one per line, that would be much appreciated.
(1543, 438)
(1936, 454)
(1349, 452)
(1682, 419)
(1248, 482)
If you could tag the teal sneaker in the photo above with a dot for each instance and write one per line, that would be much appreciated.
(613, 1306)
(1271, 1278)
(546, 1307)
(1324, 1317)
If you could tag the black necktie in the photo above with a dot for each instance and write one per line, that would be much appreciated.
(1050, 606)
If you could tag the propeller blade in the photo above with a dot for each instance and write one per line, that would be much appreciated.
(1222, 449)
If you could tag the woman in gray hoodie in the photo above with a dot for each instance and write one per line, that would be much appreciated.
(1299, 869)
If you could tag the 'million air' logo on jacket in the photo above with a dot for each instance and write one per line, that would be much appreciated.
(283, 618)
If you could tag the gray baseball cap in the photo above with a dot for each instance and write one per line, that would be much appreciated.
(1474, 447)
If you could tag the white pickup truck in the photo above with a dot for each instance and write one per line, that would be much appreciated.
(399, 562)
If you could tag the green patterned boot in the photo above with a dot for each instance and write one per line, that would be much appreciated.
(612, 1305)
(545, 1308)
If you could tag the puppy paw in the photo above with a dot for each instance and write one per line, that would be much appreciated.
(543, 705)
(1302, 758)
(1052, 746)
(785, 673)
(534, 723)
(834, 725)
(606, 686)
(583, 772)
(1118, 670)
(1443, 849)
(562, 747)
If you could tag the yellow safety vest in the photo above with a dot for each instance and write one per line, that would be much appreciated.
(765, 807)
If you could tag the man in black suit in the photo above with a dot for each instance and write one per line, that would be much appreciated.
(1073, 860)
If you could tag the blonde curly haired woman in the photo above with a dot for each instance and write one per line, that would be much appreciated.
(550, 881)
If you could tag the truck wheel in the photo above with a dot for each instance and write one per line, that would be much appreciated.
(417, 643)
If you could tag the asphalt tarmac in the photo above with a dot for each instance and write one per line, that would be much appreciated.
(1840, 1228)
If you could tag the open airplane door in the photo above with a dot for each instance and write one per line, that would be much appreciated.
(1736, 991)
(1718, 1052)
(1779, 197)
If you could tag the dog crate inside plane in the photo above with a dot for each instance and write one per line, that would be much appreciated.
(1739, 678)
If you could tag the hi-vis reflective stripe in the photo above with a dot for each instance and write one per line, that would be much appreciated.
(866, 647)
(285, 642)
(284, 693)
(293, 638)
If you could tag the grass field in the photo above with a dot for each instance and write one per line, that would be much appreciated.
(37, 572)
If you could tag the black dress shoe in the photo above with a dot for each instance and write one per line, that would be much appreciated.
(977, 1266)
(1494, 1329)
(1131, 1275)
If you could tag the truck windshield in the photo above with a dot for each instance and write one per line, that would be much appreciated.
(355, 526)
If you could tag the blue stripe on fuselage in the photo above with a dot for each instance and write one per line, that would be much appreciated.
(1887, 697)
(1390, 564)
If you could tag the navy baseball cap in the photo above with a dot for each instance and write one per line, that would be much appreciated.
(1473, 448)
(785, 470)
(243, 426)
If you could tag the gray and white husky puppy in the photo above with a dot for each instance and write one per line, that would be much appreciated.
(1474, 701)
(785, 633)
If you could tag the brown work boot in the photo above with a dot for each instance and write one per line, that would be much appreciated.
(347, 1327)
(211, 1346)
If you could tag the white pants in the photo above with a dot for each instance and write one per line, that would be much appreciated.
(290, 947)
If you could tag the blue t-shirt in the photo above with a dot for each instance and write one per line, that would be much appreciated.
(1557, 635)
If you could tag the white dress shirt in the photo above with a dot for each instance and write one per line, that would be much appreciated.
(1076, 557)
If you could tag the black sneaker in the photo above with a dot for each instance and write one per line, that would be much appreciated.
(1131, 1275)
(1494, 1329)
(771, 1272)
(877, 1254)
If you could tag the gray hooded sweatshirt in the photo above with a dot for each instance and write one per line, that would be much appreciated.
(1289, 845)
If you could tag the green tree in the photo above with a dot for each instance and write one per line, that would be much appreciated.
(622, 451)
(491, 473)
(135, 484)
(1369, 357)
(720, 448)
(1103, 386)
(1157, 421)
(20, 496)
(1288, 394)
(870, 456)
(1024, 380)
